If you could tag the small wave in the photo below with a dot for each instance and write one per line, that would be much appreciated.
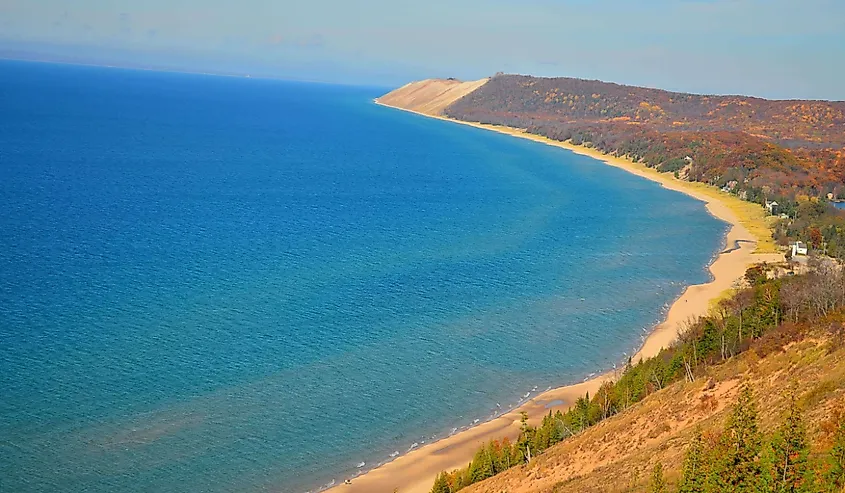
(361, 464)
(413, 446)
(394, 454)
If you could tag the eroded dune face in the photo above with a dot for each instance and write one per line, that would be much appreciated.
(430, 96)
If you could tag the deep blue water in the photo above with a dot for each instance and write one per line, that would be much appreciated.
(839, 205)
(217, 284)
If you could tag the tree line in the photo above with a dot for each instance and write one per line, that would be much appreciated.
(752, 147)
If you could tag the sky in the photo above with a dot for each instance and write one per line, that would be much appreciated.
(789, 49)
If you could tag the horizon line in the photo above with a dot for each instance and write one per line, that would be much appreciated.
(245, 75)
(166, 70)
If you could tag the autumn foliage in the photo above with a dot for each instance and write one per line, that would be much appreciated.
(754, 147)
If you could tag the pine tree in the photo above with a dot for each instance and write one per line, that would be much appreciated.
(557, 430)
(836, 476)
(741, 471)
(526, 439)
(462, 478)
(481, 466)
(581, 412)
(542, 439)
(790, 453)
(441, 484)
(694, 479)
(658, 482)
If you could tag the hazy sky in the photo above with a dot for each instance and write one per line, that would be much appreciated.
(770, 48)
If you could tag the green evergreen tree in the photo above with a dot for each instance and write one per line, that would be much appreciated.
(695, 470)
(463, 478)
(836, 475)
(542, 439)
(740, 470)
(557, 428)
(790, 452)
(581, 412)
(658, 482)
(766, 484)
(717, 462)
(441, 484)
(526, 439)
(481, 466)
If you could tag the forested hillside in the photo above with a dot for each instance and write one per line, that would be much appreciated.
(754, 147)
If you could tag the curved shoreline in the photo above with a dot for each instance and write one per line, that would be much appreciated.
(415, 471)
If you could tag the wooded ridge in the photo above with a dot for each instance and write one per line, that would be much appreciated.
(759, 148)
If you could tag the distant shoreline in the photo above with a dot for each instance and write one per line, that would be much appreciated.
(415, 471)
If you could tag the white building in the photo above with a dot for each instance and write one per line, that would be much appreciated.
(799, 248)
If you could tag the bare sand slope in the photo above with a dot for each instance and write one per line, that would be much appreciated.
(430, 96)
(415, 472)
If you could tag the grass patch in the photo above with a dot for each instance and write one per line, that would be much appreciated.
(752, 216)
(724, 295)
(819, 393)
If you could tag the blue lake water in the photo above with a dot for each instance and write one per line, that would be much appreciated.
(218, 284)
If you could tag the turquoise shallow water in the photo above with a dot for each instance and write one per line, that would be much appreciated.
(217, 284)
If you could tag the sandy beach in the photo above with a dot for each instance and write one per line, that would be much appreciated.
(415, 472)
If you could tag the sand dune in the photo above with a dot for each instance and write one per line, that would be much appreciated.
(430, 96)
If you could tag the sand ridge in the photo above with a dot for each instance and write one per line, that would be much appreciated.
(430, 96)
(415, 471)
